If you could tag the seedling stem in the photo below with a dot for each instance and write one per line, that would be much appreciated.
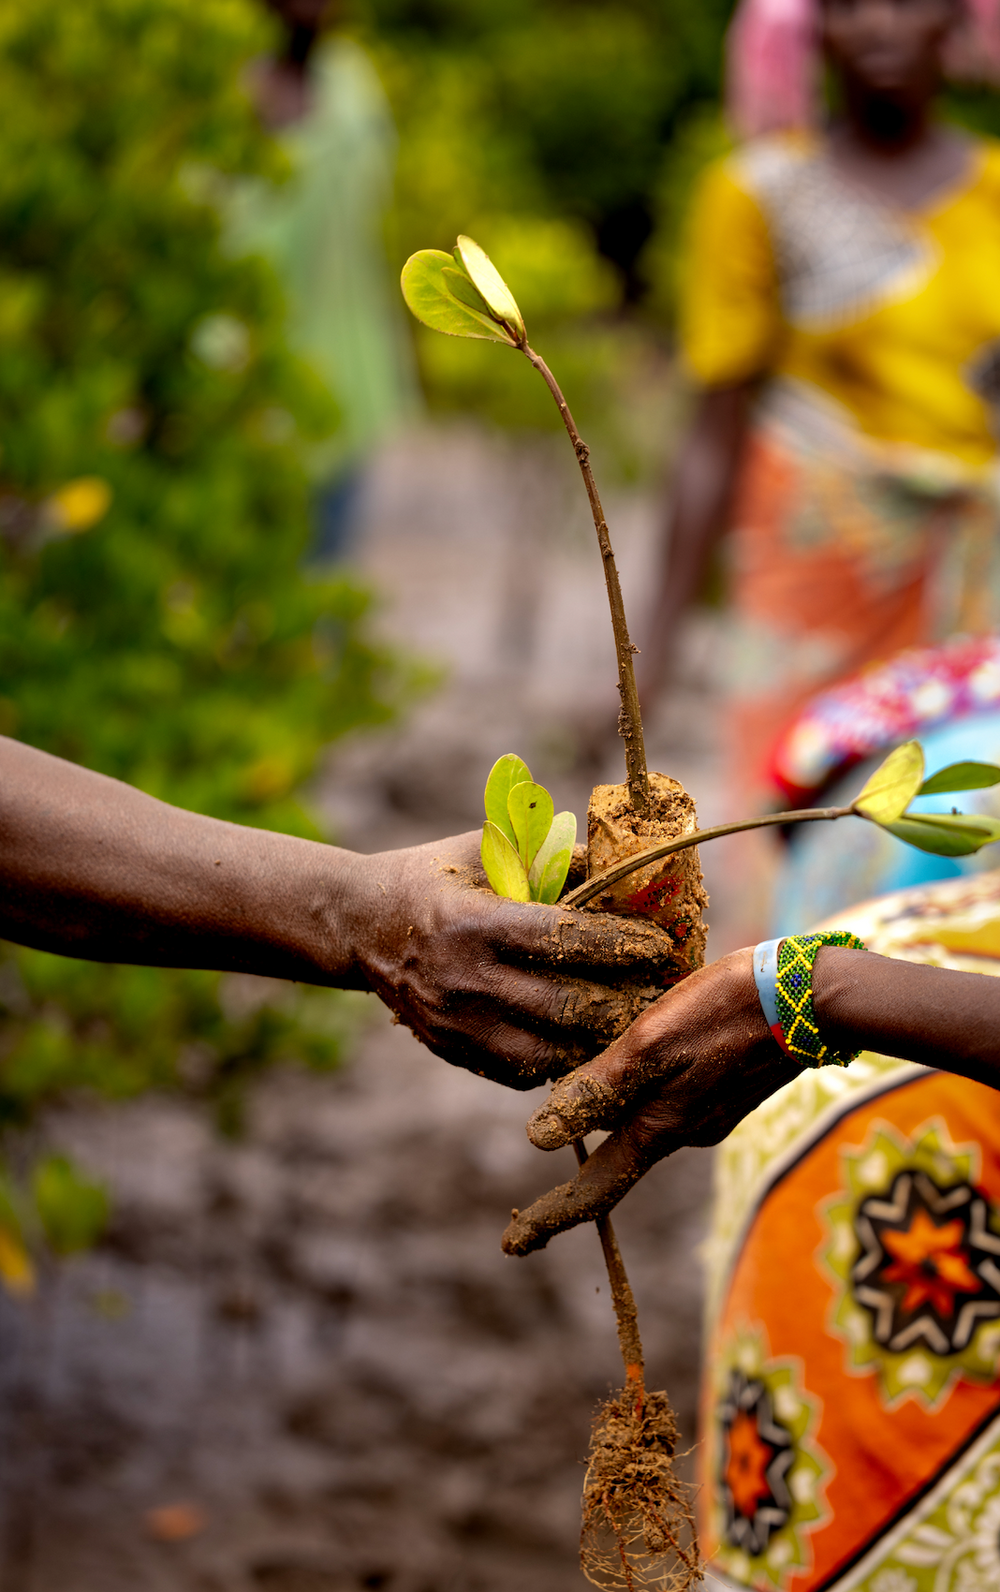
(629, 717)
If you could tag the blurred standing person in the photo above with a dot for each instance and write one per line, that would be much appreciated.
(322, 230)
(841, 316)
(841, 319)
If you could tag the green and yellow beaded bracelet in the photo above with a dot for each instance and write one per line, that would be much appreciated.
(783, 970)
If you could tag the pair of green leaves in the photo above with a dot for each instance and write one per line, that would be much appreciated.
(900, 778)
(527, 846)
(462, 294)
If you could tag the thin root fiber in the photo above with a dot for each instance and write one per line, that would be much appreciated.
(638, 1525)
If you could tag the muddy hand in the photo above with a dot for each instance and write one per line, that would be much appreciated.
(516, 992)
(689, 1068)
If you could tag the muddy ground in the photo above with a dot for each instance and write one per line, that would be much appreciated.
(300, 1363)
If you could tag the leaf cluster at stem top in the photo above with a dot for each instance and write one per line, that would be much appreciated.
(462, 294)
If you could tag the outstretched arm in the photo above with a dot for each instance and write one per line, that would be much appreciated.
(91, 867)
(702, 1056)
(697, 513)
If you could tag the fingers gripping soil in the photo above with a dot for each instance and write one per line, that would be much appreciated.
(532, 933)
(494, 1047)
(599, 1094)
(583, 940)
(587, 1014)
(512, 1025)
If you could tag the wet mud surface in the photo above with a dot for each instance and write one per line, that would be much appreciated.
(309, 1347)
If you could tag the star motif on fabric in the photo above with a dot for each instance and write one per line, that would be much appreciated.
(756, 1454)
(932, 1262)
(746, 1466)
(929, 1270)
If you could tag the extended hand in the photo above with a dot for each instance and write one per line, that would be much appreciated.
(689, 1068)
(516, 992)
(91, 867)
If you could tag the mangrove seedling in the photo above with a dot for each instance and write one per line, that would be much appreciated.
(637, 1516)
(464, 295)
(638, 1529)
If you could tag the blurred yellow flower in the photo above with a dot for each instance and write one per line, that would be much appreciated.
(269, 778)
(78, 505)
(17, 1273)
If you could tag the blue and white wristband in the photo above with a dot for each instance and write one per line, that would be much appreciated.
(765, 972)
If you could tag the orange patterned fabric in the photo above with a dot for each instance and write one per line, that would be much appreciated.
(851, 1407)
(879, 1447)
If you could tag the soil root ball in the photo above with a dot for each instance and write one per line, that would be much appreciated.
(638, 1525)
(670, 893)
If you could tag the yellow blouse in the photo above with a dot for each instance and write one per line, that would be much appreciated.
(791, 270)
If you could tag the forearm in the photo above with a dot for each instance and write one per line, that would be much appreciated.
(90, 867)
(698, 511)
(698, 516)
(932, 1015)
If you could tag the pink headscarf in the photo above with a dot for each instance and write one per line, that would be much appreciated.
(773, 60)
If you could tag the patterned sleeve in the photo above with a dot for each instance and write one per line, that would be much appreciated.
(730, 319)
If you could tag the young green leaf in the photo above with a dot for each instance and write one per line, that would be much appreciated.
(429, 295)
(489, 282)
(893, 785)
(531, 808)
(465, 290)
(551, 865)
(946, 834)
(506, 772)
(961, 776)
(504, 868)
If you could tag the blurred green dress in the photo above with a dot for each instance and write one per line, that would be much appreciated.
(322, 229)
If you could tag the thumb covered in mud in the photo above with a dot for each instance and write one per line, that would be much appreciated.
(579, 1103)
(687, 1070)
(599, 1093)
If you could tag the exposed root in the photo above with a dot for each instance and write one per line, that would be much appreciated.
(638, 1525)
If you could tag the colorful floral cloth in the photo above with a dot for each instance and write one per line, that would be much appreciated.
(851, 1410)
(917, 690)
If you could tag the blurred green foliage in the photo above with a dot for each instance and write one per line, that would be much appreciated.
(177, 642)
(570, 106)
(71, 1209)
(565, 135)
(547, 130)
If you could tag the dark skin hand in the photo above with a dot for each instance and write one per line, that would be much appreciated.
(90, 867)
(885, 57)
(694, 1063)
